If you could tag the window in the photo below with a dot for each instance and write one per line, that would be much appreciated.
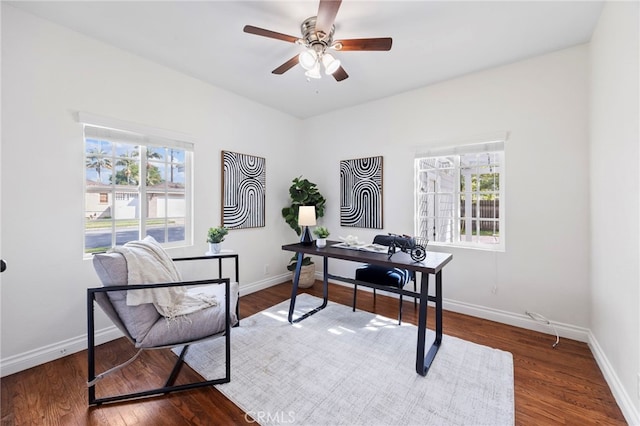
(135, 185)
(460, 196)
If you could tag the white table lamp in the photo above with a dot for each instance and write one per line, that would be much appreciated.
(306, 218)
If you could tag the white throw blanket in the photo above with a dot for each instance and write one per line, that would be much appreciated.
(148, 263)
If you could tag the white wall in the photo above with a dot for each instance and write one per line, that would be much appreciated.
(48, 74)
(542, 104)
(615, 253)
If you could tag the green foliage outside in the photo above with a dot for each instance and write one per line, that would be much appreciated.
(484, 184)
(128, 168)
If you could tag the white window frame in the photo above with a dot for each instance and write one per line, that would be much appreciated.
(118, 131)
(454, 152)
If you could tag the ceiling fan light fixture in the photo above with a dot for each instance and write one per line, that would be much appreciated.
(308, 59)
(330, 63)
(317, 39)
(314, 72)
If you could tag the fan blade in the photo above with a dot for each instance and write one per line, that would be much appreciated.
(286, 66)
(340, 74)
(364, 44)
(327, 12)
(268, 33)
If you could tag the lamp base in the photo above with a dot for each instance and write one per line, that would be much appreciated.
(306, 239)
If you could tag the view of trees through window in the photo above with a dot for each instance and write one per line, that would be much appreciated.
(133, 190)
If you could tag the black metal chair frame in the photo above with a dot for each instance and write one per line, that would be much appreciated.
(169, 384)
(392, 241)
(415, 303)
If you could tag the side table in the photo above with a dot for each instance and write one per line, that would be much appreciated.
(224, 254)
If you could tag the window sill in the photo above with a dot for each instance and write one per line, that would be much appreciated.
(470, 246)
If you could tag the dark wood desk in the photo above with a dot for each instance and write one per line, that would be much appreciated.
(432, 264)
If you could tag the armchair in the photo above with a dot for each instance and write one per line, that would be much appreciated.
(146, 328)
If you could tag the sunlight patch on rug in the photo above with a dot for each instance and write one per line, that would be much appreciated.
(340, 367)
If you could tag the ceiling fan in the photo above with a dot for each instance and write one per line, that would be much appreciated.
(317, 39)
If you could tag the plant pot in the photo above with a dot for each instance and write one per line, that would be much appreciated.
(307, 276)
(321, 242)
(215, 248)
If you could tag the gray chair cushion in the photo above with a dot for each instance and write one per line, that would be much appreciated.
(112, 270)
(393, 277)
(198, 325)
(144, 325)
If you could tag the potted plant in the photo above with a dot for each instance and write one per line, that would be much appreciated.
(303, 193)
(215, 237)
(322, 233)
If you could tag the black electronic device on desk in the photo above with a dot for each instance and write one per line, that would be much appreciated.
(415, 246)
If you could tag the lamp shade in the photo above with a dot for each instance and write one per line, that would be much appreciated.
(307, 216)
(314, 72)
(308, 59)
(330, 63)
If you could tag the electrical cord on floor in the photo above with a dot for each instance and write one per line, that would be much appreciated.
(539, 318)
(111, 370)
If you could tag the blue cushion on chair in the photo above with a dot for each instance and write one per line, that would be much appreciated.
(394, 277)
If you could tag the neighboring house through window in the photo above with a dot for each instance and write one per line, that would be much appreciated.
(459, 195)
(136, 184)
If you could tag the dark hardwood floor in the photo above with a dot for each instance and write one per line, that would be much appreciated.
(552, 386)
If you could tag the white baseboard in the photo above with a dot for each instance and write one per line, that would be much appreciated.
(621, 396)
(568, 331)
(517, 320)
(35, 357)
(262, 284)
(54, 351)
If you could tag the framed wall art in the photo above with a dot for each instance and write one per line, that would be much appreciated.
(243, 190)
(361, 192)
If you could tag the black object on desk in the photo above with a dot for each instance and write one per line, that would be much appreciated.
(432, 264)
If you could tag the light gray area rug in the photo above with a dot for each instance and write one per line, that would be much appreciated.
(340, 367)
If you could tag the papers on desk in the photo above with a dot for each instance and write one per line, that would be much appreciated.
(375, 248)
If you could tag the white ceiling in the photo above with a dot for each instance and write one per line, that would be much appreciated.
(432, 41)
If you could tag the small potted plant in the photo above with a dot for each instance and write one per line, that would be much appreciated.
(322, 233)
(215, 237)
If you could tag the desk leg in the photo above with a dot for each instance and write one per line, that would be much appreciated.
(294, 291)
(238, 281)
(294, 287)
(424, 362)
(237, 271)
(438, 308)
(325, 281)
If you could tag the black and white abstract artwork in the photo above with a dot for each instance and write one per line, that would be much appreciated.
(361, 192)
(243, 190)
